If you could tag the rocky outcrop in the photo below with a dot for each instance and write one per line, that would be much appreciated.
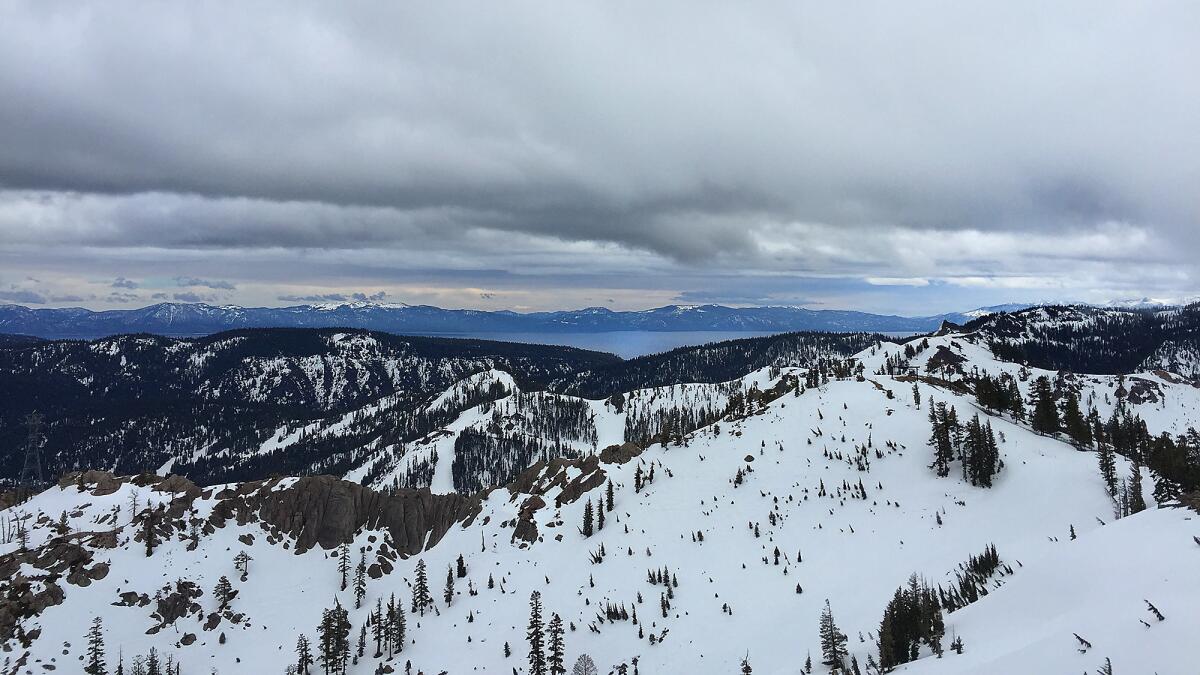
(326, 511)
(26, 597)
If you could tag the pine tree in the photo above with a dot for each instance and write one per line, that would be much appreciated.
(916, 394)
(940, 438)
(1074, 422)
(1137, 503)
(377, 627)
(745, 668)
(833, 641)
(537, 655)
(223, 592)
(448, 594)
(148, 531)
(422, 600)
(344, 564)
(462, 567)
(1108, 468)
(241, 563)
(587, 519)
(153, 665)
(608, 496)
(554, 638)
(360, 578)
(95, 649)
(1045, 413)
(334, 635)
(304, 657)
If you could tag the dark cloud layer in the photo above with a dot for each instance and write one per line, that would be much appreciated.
(883, 140)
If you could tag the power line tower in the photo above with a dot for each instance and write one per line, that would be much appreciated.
(31, 472)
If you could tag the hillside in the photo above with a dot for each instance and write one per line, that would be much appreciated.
(213, 408)
(832, 469)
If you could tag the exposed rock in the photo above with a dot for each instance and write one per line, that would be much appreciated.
(526, 529)
(326, 511)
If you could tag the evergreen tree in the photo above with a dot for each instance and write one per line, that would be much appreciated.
(1137, 503)
(1015, 402)
(334, 635)
(223, 592)
(1074, 422)
(241, 563)
(462, 567)
(422, 600)
(360, 578)
(941, 438)
(912, 617)
(377, 627)
(153, 665)
(1045, 412)
(916, 395)
(608, 496)
(1108, 467)
(304, 657)
(537, 654)
(344, 564)
(95, 649)
(556, 660)
(148, 535)
(833, 641)
(448, 593)
(587, 519)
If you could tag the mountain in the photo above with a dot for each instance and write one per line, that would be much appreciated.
(749, 505)
(186, 319)
(212, 408)
(1084, 338)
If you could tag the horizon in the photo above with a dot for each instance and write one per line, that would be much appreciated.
(1116, 303)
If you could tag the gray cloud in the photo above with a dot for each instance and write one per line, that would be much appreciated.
(218, 284)
(188, 296)
(609, 145)
(23, 296)
(122, 282)
(123, 298)
(336, 297)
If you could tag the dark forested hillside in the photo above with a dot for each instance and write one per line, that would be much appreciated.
(1094, 340)
(716, 362)
(8, 340)
(130, 403)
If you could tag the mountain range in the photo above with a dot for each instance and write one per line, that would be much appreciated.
(189, 319)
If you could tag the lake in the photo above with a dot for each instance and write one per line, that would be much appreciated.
(625, 343)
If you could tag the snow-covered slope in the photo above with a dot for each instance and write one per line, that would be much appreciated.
(1098, 587)
(836, 477)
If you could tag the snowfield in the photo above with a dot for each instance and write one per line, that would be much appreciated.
(835, 478)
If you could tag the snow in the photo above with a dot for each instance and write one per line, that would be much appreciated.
(855, 552)
(1096, 586)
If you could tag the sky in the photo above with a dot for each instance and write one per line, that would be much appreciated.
(906, 158)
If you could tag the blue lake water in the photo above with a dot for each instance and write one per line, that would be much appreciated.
(625, 343)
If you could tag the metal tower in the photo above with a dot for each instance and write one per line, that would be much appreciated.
(31, 472)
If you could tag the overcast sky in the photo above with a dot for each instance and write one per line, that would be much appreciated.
(908, 157)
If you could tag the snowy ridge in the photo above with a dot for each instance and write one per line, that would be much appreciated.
(835, 476)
